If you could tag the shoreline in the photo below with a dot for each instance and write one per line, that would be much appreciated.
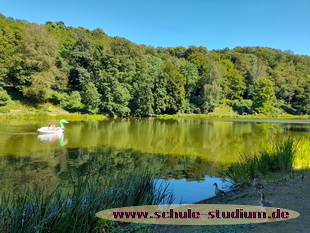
(54, 116)
(249, 117)
(258, 119)
(292, 192)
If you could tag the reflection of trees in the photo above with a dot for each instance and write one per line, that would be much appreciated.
(176, 148)
(21, 173)
(107, 162)
(217, 141)
(187, 137)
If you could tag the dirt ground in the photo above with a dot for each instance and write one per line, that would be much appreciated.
(293, 194)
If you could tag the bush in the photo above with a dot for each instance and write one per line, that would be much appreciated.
(241, 106)
(223, 110)
(4, 97)
(4, 109)
(276, 112)
(73, 102)
(57, 97)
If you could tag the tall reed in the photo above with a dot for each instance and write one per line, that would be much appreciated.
(72, 209)
(280, 159)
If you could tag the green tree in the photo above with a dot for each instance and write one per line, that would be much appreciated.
(159, 90)
(40, 88)
(263, 96)
(175, 88)
(39, 52)
(91, 98)
(301, 101)
(190, 71)
(211, 97)
(234, 83)
(10, 37)
(82, 60)
(286, 80)
(142, 101)
(210, 84)
(114, 78)
(194, 49)
(251, 68)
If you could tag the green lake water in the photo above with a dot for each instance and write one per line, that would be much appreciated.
(186, 153)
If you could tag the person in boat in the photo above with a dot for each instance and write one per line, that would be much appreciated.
(52, 126)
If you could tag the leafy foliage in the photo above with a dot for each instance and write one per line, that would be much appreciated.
(115, 76)
(4, 97)
(73, 102)
(91, 98)
(263, 96)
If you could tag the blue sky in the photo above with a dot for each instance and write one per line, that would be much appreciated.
(215, 24)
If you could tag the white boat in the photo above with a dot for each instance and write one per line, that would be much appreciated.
(50, 130)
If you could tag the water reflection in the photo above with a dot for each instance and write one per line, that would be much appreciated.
(219, 141)
(48, 168)
(188, 192)
(186, 152)
(52, 138)
(297, 129)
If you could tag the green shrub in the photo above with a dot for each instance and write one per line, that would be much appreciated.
(241, 106)
(4, 109)
(276, 112)
(4, 97)
(57, 97)
(223, 110)
(73, 102)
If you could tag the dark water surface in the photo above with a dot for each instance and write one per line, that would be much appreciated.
(187, 153)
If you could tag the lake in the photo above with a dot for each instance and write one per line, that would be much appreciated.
(189, 154)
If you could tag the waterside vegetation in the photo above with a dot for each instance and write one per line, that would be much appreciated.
(282, 159)
(46, 116)
(72, 208)
(231, 116)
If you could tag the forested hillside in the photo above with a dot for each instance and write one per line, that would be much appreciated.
(88, 71)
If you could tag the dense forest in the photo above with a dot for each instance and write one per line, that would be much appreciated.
(90, 72)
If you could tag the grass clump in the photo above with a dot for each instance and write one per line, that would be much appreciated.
(302, 155)
(279, 160)
(72, 209)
